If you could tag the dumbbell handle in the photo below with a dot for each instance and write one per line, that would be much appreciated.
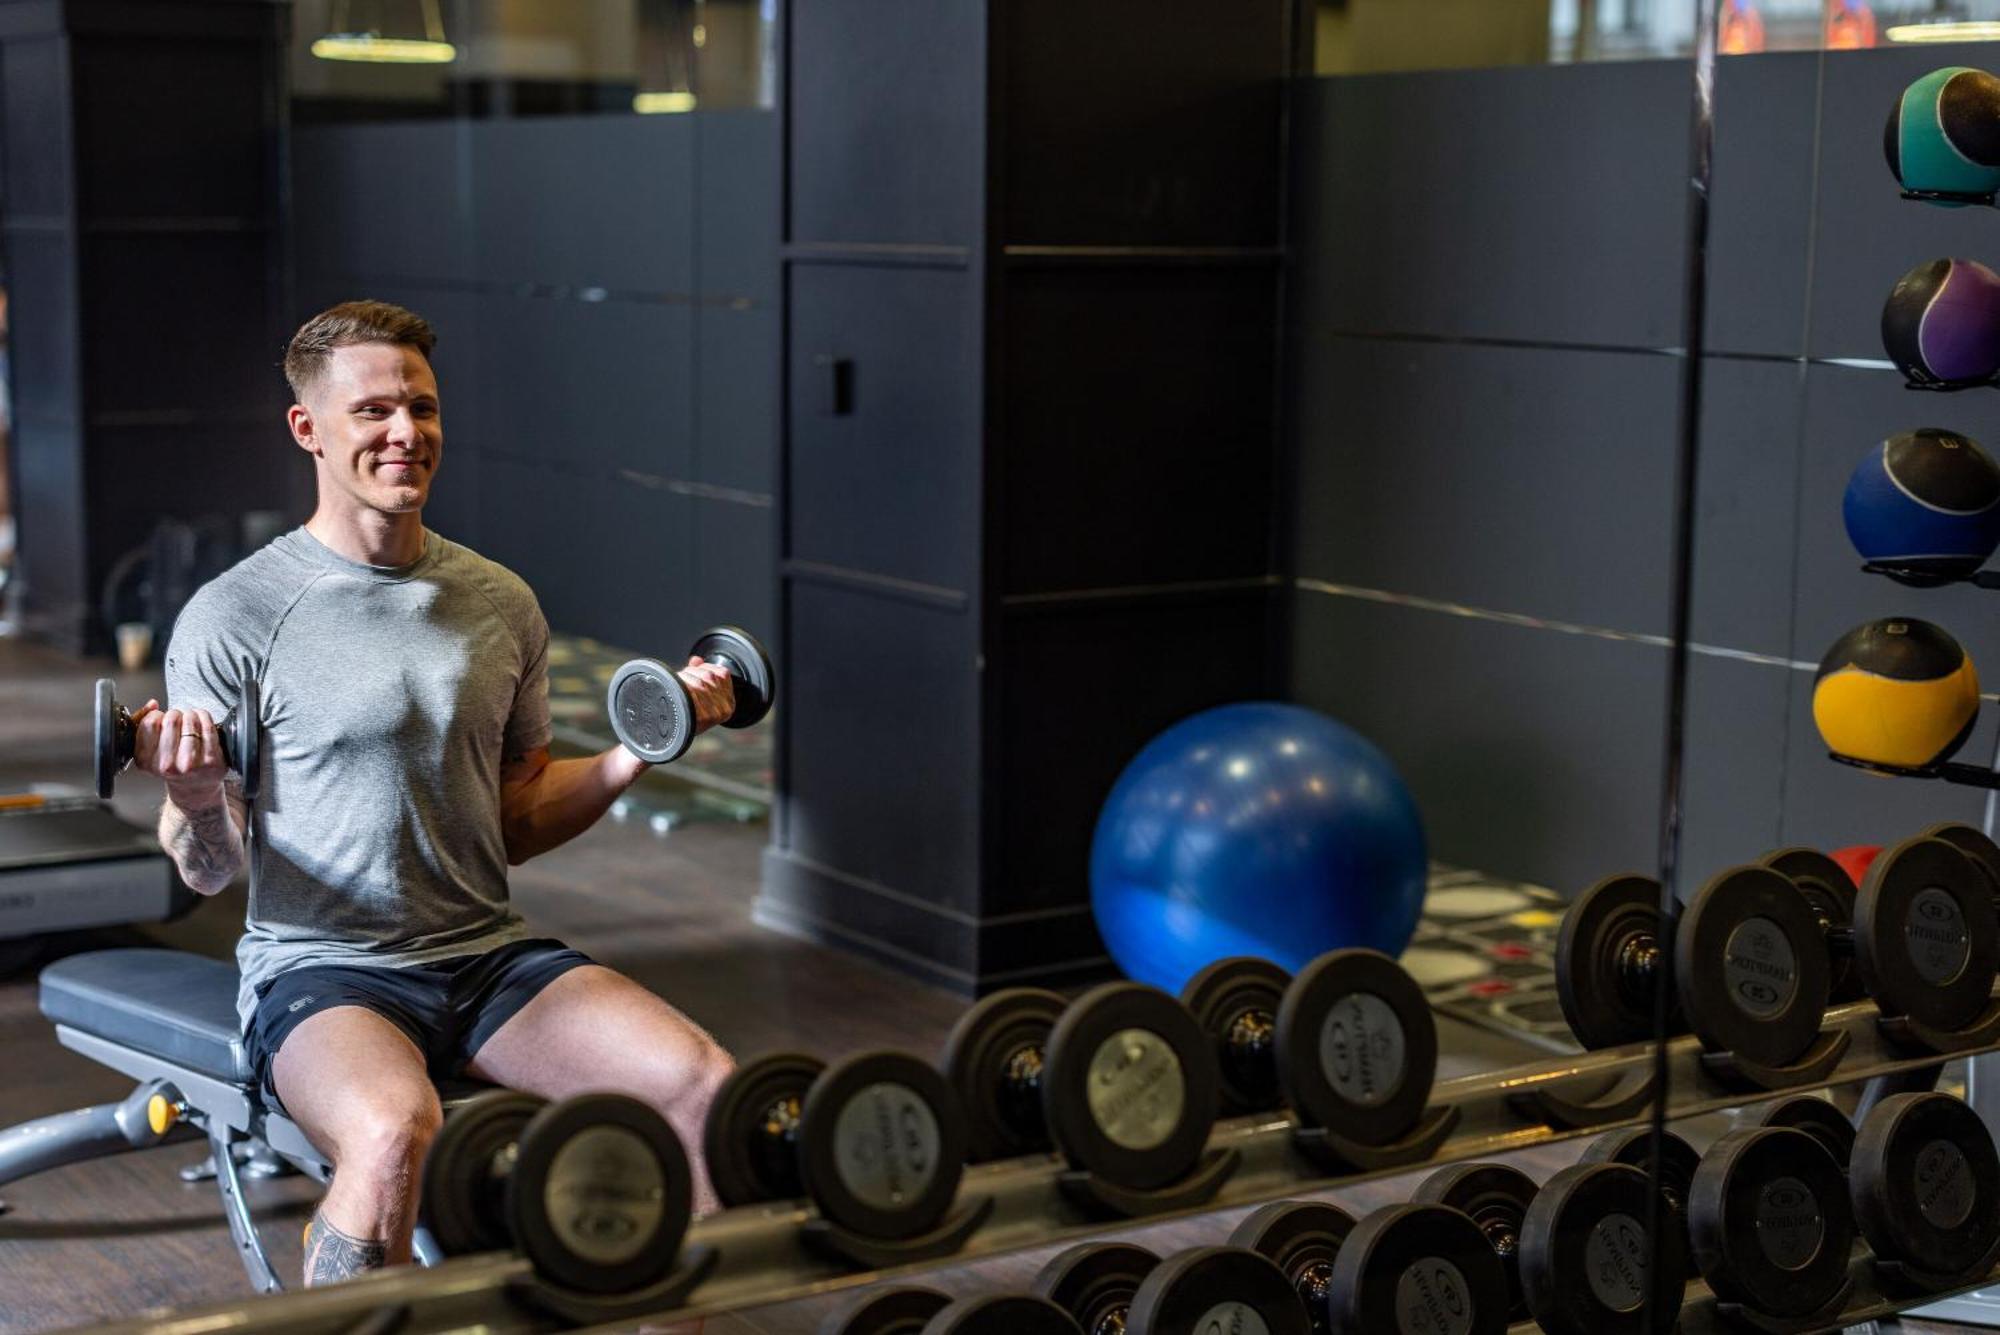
(1639, 961)
(128, 739)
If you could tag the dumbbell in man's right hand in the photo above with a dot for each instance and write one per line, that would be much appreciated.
(181, 747)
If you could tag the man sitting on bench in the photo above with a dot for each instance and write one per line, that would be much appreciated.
(405, 766)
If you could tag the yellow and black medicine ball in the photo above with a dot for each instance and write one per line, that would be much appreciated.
(1897, 692)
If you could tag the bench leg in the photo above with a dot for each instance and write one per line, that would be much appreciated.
(237, 1211)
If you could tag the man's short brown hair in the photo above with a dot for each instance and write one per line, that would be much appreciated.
(343, 326)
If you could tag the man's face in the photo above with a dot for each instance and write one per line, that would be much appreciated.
(373, 424)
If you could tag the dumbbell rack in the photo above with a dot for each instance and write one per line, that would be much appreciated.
(763, 1257)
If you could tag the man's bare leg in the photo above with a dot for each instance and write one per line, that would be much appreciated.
(357, 1088)
(593, 1030)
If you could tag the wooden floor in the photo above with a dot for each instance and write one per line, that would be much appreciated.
(119, 1236)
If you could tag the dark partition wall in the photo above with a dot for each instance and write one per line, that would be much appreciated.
(1030, 450)
(604, 290)
(1485, 303)
(145, 231)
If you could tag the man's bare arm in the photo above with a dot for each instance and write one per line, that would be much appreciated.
(202, 824)
(205, 840)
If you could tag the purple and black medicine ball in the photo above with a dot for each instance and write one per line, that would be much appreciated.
(1941, 325)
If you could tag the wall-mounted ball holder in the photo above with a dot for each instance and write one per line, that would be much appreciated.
(1985, 579)
(1357, 1050)
(1129, 1093)
(1951, 771)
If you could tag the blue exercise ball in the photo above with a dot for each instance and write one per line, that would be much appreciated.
(1255, 829)
(1925, 505)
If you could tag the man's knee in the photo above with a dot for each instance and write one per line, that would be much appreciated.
(387, 1138)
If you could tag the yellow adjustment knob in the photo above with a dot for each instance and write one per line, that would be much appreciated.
(161, 1114)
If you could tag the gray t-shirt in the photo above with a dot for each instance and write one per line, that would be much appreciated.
(390, 696)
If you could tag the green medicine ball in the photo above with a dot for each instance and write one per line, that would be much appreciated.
(1943, 136)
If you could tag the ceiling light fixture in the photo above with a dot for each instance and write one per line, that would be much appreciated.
(371, 45)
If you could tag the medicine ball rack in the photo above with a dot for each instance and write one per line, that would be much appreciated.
(762, 1257)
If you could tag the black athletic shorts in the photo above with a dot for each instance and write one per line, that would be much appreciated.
(448, 1008)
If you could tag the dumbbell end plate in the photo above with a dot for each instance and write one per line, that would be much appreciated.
(750, 665)
(105, 738)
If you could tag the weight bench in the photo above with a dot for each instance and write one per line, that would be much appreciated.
(167, 1018)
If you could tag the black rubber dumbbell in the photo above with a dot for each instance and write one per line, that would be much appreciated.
(877, 1142)
(652, 712)
(994, 1059)
(1235, 1001)
(115, 738)
(1585, 1262)
(1772, 1226)
(1357, 1054)
(594, 1190)
(903, 1310)
(1923, 937)
(1120, 1289)
(1129, 1087)
(1417, 1268)
(1817, 1118)
(1496, 1197)
(1303, 1239)
(1610, 961)
(1633, 1147)
(1926, 1189)
(1831, 893)
(1002, 1314)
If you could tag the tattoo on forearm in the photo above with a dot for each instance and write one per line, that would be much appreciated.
(208, 846)
(332, 1255)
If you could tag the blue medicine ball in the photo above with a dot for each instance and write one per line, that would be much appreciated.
(1255, 829)
(1926, 505)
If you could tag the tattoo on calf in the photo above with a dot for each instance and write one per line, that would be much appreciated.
(332, 1255)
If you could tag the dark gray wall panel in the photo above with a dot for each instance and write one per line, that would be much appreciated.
(133, 162)
(905, 818)
(604, 201)
(1733, 767)
(1545, 203)
(736, 204)
(1847, 413)
(897, 156)
(594, 384)
(1761, 203)
(1048, 811)
(44, 350)
(150, 348)
(736, 397)
(1153, 142)
(1515, 479)
(35, 76)
(1745, 522)
(344, 227)
(1134, 401)
(729, 569)
(1865, 235)
(1830, 805)
(892, 487)
(1531, 754)
(605, 559)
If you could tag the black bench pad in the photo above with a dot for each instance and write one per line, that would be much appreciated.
(176, 1006)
